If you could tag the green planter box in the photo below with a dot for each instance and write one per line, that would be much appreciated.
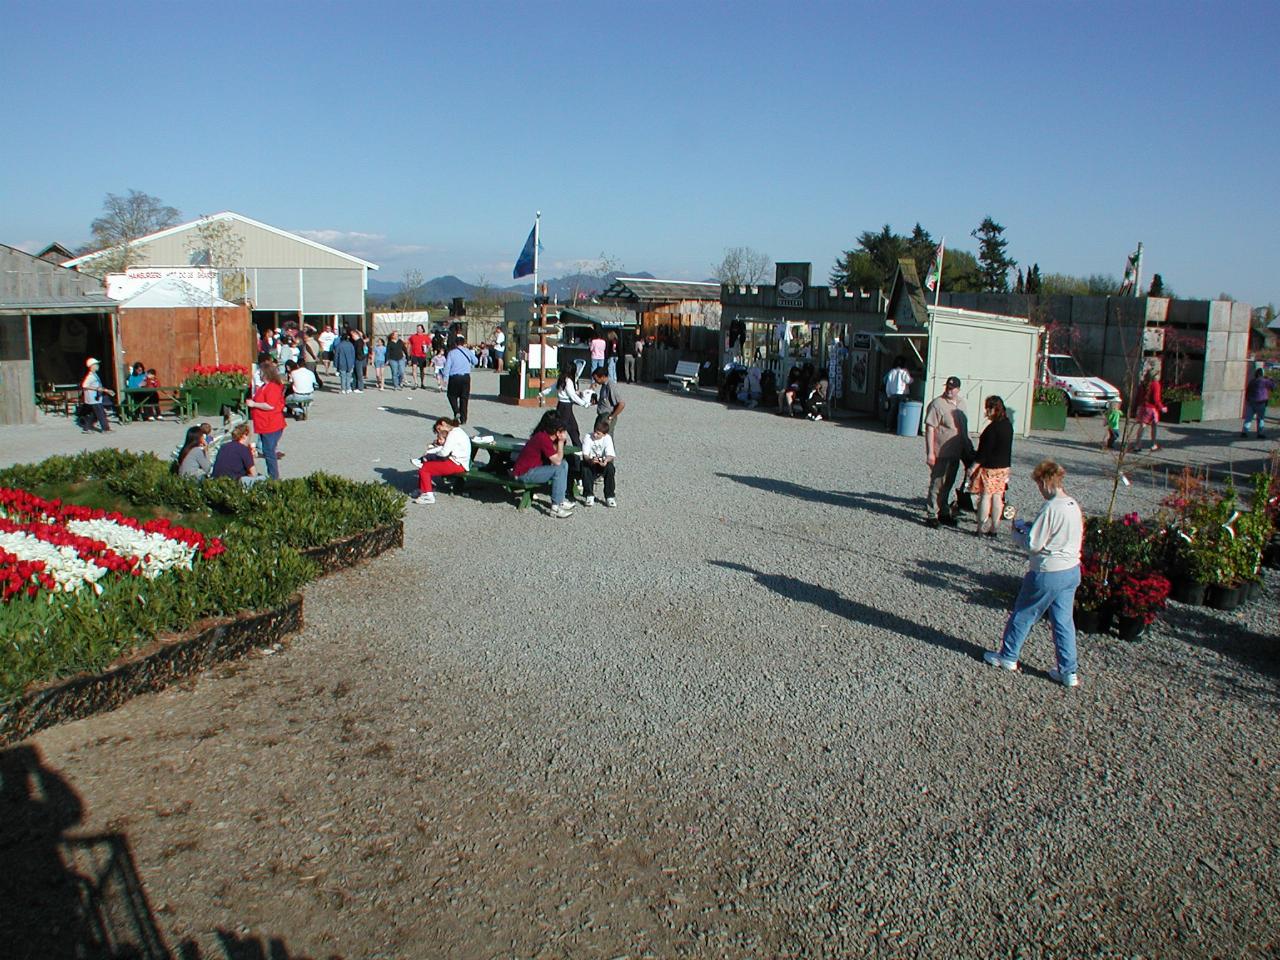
(1185, 411)
(209, 401)
(1048, 417)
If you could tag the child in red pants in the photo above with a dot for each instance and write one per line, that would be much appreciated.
(450, 454)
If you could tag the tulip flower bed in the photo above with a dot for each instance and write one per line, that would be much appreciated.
(82, 586)
(49, 545)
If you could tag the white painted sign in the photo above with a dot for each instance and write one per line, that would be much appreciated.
(122, 286)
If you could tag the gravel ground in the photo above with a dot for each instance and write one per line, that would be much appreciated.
(744, 714)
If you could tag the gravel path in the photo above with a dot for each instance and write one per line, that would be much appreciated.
(743, 714)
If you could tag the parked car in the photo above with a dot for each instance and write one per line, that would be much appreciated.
(1085, 394)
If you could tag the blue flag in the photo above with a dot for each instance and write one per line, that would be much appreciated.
(524, 265)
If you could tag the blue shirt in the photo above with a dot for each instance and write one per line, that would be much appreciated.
(458, 362)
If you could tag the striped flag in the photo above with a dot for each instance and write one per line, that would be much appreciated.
(1132, 269)
(933, 279)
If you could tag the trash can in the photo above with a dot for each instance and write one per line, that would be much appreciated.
(909, 417)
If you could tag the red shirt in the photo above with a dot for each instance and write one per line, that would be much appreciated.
(269, 421)
(418, 344)
(537, 452)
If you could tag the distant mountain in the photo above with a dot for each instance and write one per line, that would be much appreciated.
(444, 289)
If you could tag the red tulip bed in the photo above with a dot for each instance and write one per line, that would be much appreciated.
(47, 545)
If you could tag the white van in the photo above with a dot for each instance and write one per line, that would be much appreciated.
(1085, 394)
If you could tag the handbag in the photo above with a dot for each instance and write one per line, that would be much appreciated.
(964, 500)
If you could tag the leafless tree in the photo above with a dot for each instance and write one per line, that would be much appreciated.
(215, 244)
(124, 219)
(406, 299)
(743, 265)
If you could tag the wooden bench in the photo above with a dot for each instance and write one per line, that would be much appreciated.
(685, 377)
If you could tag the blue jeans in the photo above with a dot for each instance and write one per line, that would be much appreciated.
(596, 364)
(1053, 594)
(557, 473)
(344, 381)
(269, 443)
(397, 372)
(613, 368)
(1255, 411)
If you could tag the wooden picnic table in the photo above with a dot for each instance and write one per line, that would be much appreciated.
(502, 450)
(173, 400)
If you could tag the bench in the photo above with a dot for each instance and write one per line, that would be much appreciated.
(299, 403)
(509, 483)
(685, 377)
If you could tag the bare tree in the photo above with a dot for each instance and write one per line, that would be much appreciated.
(124, 219)
(743, 265)
(215, 244)
(406, 299)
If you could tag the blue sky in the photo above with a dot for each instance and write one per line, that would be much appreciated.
(426, 135)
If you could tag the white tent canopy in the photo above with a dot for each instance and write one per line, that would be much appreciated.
(172, 292)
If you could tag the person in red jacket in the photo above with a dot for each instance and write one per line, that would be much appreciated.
(1150, 406)
(418, 353)
(267, 410)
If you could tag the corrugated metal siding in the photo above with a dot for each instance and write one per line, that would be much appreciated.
(262, 248)
(332, 291)
(274, 289)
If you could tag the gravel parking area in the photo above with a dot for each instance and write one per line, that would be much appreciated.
(743, 714)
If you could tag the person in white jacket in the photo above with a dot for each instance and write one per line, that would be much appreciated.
(1053, 543)
(450, 454)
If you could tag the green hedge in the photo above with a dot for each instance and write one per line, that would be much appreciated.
(264, 530)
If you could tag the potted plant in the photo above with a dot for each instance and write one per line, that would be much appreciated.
(1092, 612)
(1139, 596)
(1185, 404)
(211, 388)
(1049, 409)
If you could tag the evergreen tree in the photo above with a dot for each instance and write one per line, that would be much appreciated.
(1019, 286)
(1157, 286)
(994, 262)
(1033, 280)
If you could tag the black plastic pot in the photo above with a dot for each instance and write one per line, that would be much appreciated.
(1130, 628)
(1086, 621)
(1221, 597)
(1189, 591)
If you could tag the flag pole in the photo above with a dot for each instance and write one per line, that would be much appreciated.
(537, 219)
(1137, 273)
(937, 287)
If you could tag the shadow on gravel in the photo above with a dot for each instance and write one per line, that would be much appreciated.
(994, 590)
(875, 502)
(404, 479)
(406, 412)
(842, 606)
(1261, 652)
(68, 895)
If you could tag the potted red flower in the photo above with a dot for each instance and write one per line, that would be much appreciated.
(1139, 596)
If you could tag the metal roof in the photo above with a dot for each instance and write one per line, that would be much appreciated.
(228, 215)
(86, 305)
(661, 291)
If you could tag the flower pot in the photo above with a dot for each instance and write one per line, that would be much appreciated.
(1222, 597)
(1184, 411)
(1048, 416)
(1271, 553)
(1129, 628)
(1086, 621)
(209, 401)
(1252, 590)
(1189, 592)
(1105, 618)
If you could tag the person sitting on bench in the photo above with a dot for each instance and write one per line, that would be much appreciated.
(449, 455)
(543, 459)
(598, 457)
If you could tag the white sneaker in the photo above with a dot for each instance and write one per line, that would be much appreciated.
(559, 512)
(359, 391)
(588, 501)
(1066, 679)
(566, 505)
(611, 502)
(417, 462)
(425, 498)
(993, 657)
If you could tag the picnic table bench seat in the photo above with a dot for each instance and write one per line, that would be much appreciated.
(685, 377)
(299, 404)
(523, 489)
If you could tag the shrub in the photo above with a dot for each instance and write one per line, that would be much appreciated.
(1050, 397)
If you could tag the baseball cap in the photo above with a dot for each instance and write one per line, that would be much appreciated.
(953, 382)
(91, 361)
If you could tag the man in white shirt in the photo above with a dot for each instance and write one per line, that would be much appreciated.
(302, 382)
(897, 384)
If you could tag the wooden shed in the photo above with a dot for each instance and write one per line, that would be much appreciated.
(173, 326)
